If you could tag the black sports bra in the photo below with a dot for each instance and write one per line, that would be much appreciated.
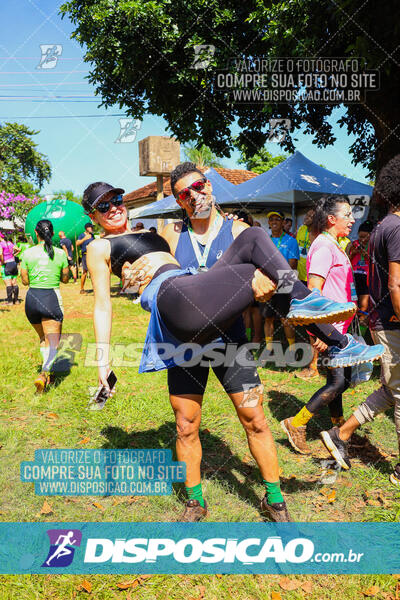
(131, 246)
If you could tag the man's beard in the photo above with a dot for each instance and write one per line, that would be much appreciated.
(202, 206)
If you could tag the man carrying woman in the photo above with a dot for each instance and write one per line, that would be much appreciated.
(194, 307)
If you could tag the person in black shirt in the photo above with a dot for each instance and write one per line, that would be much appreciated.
(84, 240)
(384, 310)
(68, 248)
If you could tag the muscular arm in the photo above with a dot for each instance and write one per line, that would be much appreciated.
(98, 257)
(80, 242)
(25, 276)
(65, 275)
(171, 234)
(394, 286)
(238, 227)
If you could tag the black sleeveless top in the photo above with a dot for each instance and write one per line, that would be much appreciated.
(131, 246)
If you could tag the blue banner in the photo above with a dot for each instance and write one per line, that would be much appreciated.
(77, 472)
(207, 548)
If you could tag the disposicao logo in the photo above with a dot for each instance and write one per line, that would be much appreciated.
(63, 543)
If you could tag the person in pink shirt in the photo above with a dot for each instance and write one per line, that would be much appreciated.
(10, 270)
(329, 270)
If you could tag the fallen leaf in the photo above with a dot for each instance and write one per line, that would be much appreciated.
(52, 415)
(372, 591)
(307, 587)
(332, 497)
(220, 576)
(144, 577)
(46, 509)
(98, 505)
(84, 440)
(372, 502)
(117, 501)
(289, 584)
(126, 585)
(276, 596)
(202, 591)
(85, 586)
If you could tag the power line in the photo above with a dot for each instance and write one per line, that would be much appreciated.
(51, 96)
(35, 58)
(47, 71)
(7, 99)
(12, 85)
(66, 116)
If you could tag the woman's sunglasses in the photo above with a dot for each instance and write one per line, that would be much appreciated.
(105, 206)
(197, 186)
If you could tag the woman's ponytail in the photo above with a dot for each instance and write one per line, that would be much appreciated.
(44, 229)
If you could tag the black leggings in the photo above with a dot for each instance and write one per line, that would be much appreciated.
(200, 308)
(337, 381)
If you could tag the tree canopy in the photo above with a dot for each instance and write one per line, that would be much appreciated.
(142, 55)
(23, 170)
(261, 161)
(202, 155)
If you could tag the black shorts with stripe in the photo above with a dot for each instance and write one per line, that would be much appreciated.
(43, 303)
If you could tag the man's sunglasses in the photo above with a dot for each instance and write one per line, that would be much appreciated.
(197, 186)
(105, 206)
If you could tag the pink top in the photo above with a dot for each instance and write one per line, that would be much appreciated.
(7, 249)
(327, 260)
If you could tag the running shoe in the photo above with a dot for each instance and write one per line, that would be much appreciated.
(354, 353)
(395, 476)
(296, 436)
(337, 447)
(315, 308)
(193, 511)
(41, 382)
(276, 512)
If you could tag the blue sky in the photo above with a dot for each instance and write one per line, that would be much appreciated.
(81, 146)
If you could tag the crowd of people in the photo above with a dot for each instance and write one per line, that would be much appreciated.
(212, 277)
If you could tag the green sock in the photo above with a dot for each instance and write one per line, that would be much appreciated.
(273, 490)
(195, 493)
(248, 333)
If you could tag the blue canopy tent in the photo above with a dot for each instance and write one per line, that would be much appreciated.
(295, 181)
(298, 182)
(223, 190)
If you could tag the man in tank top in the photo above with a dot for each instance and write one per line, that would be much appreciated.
(198, 241)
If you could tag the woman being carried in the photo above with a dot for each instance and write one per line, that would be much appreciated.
(188, 306)
(197, 307)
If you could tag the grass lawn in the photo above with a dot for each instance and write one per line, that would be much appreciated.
(139, 416)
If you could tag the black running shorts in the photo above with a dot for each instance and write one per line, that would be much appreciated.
(43, 303)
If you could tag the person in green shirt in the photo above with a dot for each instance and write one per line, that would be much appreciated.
(42, 268)
(21, 246)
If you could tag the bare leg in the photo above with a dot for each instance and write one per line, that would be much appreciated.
(52, 331)
(187, 411)
(259, 437)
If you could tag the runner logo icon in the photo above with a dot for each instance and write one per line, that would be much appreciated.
(62, 547)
